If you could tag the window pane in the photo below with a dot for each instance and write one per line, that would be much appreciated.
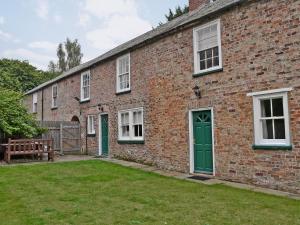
(202, 65)
(138, 130)
(216, 51)
(267, 126)
(202, 55)
(137, 117)
(125, 131)
(125, 118)
(277, 107)
(265, 108)
(279, 129)
(209, 63)
(216, 61)
(209, 53)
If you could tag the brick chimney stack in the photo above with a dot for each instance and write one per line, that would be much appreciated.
(195, 4)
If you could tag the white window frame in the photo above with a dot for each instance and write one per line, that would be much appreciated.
(82, 87)
(91, 124)
(54, 105)
(118, 89)
(131, 136)
(258, 130)
(196, 57)
(34, 102)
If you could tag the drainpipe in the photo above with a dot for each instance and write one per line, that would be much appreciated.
(86, 135)
(42, 104)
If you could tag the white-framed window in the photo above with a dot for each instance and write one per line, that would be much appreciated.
(85, 86)
(123, 73)
(34, 102)
(271, 118)
(207, 47)
(131, 124)
(54, 95)
(211, 1)
(91, 124)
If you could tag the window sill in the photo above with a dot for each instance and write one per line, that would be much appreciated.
(131, 142)
(91, 135)
(272, 147)
(84, 101)
(54, 108)
(200, 74)
(123, 92)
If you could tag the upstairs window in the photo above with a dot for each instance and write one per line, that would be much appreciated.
(85, 86)
(34, 102)
(271, 118)
(207, 47)
(91, 124)
(131, 125)
(54, 96)
(123, 73)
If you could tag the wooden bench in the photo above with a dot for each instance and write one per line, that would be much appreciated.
(29, 147)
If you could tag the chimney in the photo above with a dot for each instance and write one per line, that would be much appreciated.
(196, 4)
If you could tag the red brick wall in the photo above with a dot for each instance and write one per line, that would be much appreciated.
(195, 4)
(260, 48)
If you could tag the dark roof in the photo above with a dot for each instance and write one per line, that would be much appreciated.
(161, 30)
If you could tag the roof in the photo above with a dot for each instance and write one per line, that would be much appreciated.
(164, 29)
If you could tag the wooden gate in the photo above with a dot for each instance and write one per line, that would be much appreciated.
(65, 135)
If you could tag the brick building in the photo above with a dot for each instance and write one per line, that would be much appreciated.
(215, 91)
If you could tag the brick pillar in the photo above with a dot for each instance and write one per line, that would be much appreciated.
(195, 4)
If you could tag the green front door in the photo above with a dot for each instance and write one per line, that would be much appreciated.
(202, 128)
(104, 135)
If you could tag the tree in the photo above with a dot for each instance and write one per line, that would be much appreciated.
(52, 67)
(62, 66)
(20, 76)
(73, 53)
(177, 12)
(69, 55)
(14, 120)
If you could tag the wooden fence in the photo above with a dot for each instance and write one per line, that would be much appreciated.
(65, 135)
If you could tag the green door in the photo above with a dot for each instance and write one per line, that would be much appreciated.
(104, 134)
(202, 127)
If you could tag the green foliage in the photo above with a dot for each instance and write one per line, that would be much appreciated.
(69, 55)
(14, 120)
(20, 76)
(177, 12)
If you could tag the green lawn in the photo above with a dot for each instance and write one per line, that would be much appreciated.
(96, 192)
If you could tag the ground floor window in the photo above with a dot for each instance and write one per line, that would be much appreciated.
(91, 124)
(271, 118)
(131, 124)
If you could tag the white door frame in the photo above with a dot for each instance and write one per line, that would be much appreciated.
(191, 137)
(100, 133)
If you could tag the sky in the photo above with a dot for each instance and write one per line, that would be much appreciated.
(31, 29)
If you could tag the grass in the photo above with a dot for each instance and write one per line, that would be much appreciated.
(96, 192)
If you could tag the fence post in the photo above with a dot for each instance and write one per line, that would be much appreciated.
(61, 139)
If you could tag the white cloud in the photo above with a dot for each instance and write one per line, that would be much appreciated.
(44, 45)
(5, 36)
(117, 20)
(39, 60)
(42, 9)
(117, 30)
(104, 8)
(2, 20)
(84, 18)
(57, 18)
